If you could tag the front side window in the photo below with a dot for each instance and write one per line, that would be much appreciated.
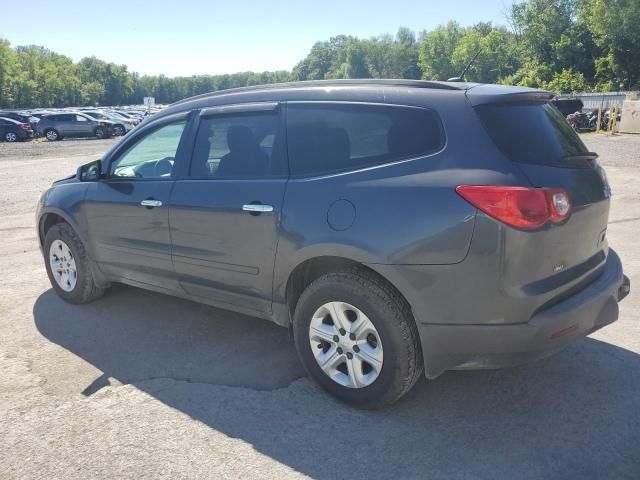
(326, 138)
(80, 118)
(243, 145)
(152, 156)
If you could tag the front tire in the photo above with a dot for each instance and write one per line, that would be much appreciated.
(68, 267)
(357, 338)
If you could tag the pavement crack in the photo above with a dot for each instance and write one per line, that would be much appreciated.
(625, 220)
(105, 381)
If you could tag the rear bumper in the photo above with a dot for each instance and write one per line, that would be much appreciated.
(448, 347)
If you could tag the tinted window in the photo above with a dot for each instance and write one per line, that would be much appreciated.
(325, 138)
(152, 156)
(568, 106)
(532, 133)
(239, 146)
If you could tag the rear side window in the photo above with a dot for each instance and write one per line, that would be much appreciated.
(240, 146)
(324, 138)
(534, 133)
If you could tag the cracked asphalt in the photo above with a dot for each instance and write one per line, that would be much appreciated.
(138, 385)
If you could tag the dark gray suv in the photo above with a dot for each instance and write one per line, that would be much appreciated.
(56, 126)
(395, 227)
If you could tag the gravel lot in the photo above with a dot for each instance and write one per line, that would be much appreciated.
(139, 385)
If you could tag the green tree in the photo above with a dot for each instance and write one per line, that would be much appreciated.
(8, 71)
(616, 29)
(550, 36)
(496, 50)
(567, 81)
(436, 51)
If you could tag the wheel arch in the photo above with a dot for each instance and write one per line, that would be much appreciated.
(54, 216)
(303, 274)
(49, 218)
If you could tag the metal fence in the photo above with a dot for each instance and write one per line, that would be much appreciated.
(597, 100)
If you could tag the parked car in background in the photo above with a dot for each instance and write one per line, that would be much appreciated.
(120, 125)
(138, 113)
(22, 117)
(57, 126)
(395, 227)
(135, 119)
(41, 113)
(12, 130)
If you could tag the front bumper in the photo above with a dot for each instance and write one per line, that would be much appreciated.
(455, 347)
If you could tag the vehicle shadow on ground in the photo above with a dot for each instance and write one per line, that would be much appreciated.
(574, 415)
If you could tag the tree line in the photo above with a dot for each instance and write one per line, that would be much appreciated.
(565, 46)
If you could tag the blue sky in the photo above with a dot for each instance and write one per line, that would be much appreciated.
(195, 36)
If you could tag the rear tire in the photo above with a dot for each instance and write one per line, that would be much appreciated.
(68, 267)
(393, 345)
(10, 137)
(51, 135)
(118, 130)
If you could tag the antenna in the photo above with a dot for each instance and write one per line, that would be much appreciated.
(460, 78)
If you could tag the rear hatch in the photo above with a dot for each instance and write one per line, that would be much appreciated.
(558, 259)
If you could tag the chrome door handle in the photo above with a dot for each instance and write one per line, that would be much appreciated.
(257, 208)
(151, 203)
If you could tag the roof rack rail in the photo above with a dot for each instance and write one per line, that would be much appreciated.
(337, 82)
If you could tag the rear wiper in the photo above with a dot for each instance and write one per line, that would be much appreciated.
(581, 156)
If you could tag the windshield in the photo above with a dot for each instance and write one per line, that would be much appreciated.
(532, 133)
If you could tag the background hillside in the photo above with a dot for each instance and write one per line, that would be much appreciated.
(562, 45)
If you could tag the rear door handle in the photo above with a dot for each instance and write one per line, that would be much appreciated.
(257, 208)
(151, 203)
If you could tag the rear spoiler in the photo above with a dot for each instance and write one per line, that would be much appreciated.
(484, 94)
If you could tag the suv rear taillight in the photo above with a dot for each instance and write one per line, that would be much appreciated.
(520, 207)
(26, 126)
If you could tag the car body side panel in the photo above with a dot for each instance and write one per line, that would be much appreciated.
(67, 201)
(129, 240)
(220, 251)
(425, 221)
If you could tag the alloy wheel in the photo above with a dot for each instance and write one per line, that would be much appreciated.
(346, 344)
(63, 265)
(10, 137)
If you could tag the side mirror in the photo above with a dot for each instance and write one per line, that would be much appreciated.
(90, 172)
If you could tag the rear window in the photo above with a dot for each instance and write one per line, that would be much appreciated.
(534, 133)
(325, 138)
